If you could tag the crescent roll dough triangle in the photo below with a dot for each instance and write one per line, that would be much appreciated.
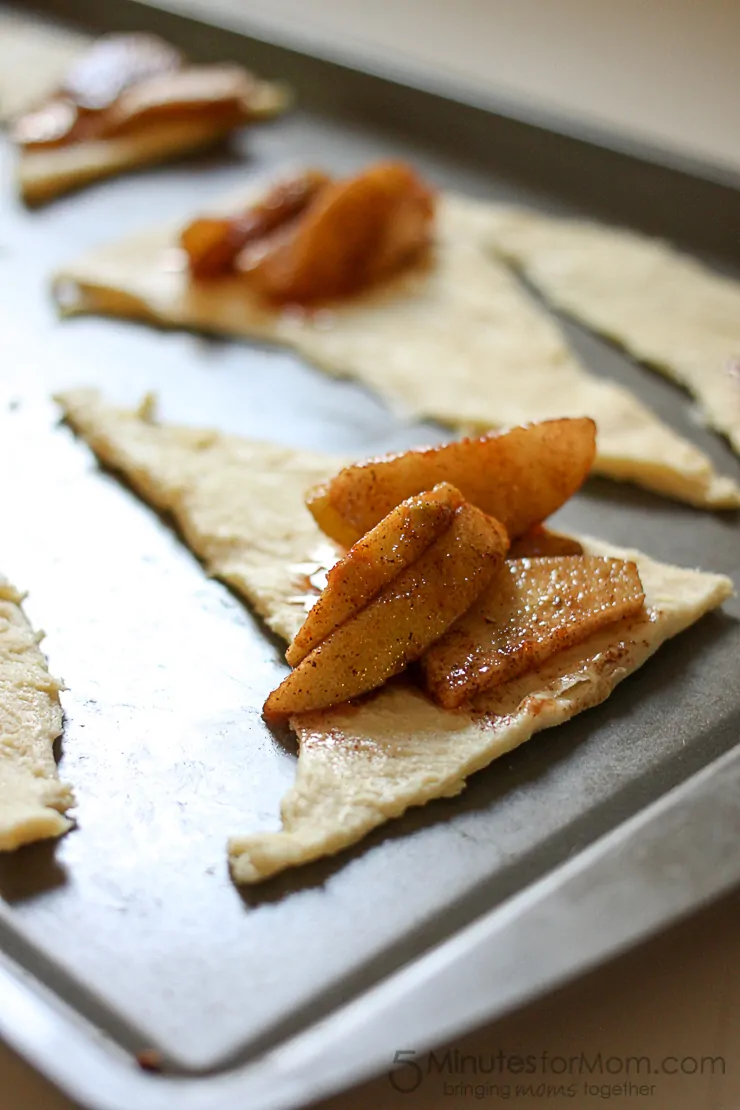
(32, 799)
(666, 309)
(458, 340)
(240, 506)
(44, 174)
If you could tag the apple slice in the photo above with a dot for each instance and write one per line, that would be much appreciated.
(532, 609)
(395, 628)
(519, 477)
(213, 243)
(539, 542)
(374, 561)
(357, 231)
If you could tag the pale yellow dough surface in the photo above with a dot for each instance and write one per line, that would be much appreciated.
(665, 308)
(459, 341)
(34, 57)
(32, 799)
(240, 506)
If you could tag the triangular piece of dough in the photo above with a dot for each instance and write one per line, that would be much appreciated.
(665, 308)
(44, 174)
(32, 799)
(240, 507)
(458, 341)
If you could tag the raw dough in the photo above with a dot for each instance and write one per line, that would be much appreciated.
(665, 308)
(43, 174)
(458, 341)
(32, 799)
(239, 503)
(34, 56)
(240, 507)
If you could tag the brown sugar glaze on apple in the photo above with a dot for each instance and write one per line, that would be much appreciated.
(124, 83)
(312, 239)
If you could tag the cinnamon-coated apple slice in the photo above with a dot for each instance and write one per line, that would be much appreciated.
(395, 628)
(532, 609)
(372, 562)
(357, 231)
(519, 477)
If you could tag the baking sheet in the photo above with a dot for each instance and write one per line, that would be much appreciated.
(132, 919)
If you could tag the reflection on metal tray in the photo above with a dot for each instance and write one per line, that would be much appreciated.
(128, 933)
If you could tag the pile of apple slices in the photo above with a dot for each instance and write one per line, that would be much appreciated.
(449, 564)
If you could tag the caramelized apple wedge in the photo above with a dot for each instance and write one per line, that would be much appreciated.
(212, 243)
(126, 84)
(519, 477)
(374, 561)
(356, 232)
(532, 609)
(395, 628)
(541, 542)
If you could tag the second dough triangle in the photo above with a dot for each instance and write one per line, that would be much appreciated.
(458, 341)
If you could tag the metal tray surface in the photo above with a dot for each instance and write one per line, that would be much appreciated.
(131, 921)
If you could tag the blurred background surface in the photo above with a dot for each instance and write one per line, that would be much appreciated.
(666, 73)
